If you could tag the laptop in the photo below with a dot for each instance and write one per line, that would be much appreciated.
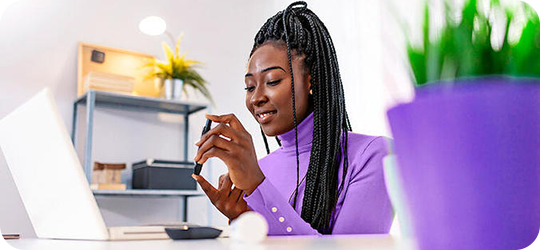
(50, 179)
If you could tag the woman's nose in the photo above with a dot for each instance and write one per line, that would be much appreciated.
(259, 96)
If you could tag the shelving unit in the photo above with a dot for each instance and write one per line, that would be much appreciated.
(93, 99)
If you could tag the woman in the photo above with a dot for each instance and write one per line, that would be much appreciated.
(323, 179)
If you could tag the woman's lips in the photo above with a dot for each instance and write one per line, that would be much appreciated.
(266, 117)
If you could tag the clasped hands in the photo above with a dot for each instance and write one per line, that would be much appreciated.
(230, 142)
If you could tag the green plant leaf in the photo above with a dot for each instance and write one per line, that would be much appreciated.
(465, 49)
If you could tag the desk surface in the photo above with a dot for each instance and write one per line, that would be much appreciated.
(381, 242)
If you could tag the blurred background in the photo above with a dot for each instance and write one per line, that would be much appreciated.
(38, 48)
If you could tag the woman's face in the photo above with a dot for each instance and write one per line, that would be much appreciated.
(268, 89)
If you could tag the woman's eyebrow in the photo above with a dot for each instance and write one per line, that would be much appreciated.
(271, 68)
(267, 69)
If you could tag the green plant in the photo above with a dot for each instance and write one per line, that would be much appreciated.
(178, 67)
(465, 48)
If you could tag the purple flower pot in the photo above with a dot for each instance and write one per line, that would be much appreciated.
(469, 159)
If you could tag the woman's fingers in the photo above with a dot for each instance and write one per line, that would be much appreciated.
(213, 152)
(213, 141)
(226, 186)
(220, 130)
(236, 194)
(238, 153)
(220, 180)
(211, 192)
(231, 119)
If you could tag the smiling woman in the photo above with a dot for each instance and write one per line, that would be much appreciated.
(268, 86)
(323, 179)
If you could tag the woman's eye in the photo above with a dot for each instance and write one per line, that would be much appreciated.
(272, 83)
(249, 89)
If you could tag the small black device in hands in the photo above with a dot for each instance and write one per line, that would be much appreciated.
(192, 232)
(207, 126)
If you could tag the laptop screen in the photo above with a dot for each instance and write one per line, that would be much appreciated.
(47, 172)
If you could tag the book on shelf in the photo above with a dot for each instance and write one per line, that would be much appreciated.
(109, 82)
(108, 186)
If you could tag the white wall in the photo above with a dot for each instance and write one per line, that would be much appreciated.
(38, 48)
(367, 45)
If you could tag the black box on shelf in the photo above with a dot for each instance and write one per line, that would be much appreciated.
(160, 174)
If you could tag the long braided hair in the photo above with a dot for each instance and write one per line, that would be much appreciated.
(302, 32)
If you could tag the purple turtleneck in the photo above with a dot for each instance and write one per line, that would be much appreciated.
(363, 207)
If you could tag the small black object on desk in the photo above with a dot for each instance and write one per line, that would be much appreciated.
(192, 232)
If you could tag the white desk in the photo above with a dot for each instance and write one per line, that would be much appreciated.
(380, 242)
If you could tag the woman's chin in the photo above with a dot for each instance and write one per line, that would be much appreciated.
(269, 131)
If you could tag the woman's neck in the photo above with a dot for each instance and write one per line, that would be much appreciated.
(305, 133)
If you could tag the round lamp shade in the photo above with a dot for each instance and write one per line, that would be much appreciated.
(152, 25)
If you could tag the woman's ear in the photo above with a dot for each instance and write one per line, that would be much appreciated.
(309, 84)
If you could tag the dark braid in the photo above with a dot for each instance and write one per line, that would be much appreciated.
(299, 30)
(293, 100)
(265, 141)
(278, 141)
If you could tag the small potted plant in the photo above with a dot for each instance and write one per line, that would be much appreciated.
(468, 145)
(176, 72)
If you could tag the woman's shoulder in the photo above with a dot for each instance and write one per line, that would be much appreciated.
(365, 152)
(361, 143)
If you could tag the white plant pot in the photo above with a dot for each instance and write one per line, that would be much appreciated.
(173, 88)
(178, 85)
(167, 88)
